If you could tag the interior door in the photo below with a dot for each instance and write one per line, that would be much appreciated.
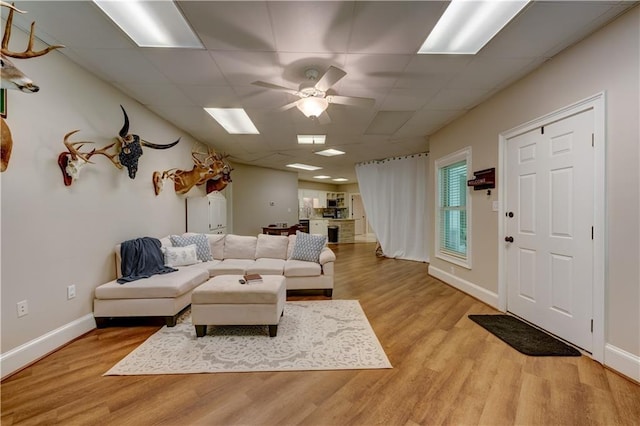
(549, 225)
(357, 213)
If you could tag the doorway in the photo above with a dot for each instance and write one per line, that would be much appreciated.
(362, 231)
(552, 227)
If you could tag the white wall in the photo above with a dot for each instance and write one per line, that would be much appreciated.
(54, 236)
(254, 189)
(606, 61)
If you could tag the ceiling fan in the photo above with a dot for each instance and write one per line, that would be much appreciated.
(313, 96)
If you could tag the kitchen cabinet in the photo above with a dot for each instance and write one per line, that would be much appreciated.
(207, 214)
(318, 226)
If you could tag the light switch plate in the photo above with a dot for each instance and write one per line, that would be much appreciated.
(495, 206)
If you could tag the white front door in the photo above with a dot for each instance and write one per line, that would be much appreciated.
(550, 217)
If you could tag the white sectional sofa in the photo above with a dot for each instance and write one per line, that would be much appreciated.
(166, 295)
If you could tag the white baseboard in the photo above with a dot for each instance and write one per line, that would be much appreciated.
(25, 354)
(480, 293)
(622, 361)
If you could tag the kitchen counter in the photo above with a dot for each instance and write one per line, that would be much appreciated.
(346, 229)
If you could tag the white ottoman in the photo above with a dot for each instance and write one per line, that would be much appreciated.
(224, 301)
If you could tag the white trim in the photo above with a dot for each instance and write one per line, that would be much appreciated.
(622, 361)
(474, 290)
(465, 154)
(27, 353)
(597, 104)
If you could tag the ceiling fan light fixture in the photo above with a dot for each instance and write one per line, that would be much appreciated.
(312, 106)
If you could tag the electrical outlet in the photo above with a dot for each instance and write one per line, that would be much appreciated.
(23, 308)
(71, 292)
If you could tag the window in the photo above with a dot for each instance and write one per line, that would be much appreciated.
(454, 207)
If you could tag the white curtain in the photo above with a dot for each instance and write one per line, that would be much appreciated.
(394, 194)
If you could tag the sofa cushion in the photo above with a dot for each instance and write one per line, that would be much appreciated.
(308, 247)
(292, 244)
(266, 266)
(240, 247)
(300, 268)
(216, 242)
(169, 285)
(180, 256)
(272, 246)
(200, 240)
(231, 267)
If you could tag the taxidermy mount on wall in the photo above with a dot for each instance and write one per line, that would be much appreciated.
(127, 150)
(12, 78)
(208, 167)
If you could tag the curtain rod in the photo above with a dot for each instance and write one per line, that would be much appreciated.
(420, 154)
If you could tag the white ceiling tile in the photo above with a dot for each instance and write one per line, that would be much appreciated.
(243, 68)
(456, 98)
(202, 69)
(311, 26)
(122, 65)
(156, 94)
(407, 99)
(488, 73)
(393, 27)
(231, 25)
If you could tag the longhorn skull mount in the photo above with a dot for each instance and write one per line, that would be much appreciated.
(127, 150)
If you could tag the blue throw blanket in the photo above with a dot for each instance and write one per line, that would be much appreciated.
(141, 258)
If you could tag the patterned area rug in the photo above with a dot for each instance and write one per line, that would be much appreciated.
(312, 335)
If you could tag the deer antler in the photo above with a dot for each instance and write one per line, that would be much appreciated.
(29, 52)
(74, 147)
(74, 150)
(103, 151)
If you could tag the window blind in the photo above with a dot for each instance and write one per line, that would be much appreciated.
(453, 210)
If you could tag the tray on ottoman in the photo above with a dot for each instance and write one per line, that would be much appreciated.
(223, 300)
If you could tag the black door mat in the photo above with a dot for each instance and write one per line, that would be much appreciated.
(523, 337)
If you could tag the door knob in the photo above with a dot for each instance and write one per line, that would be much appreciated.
(508, 239)
(510, 214)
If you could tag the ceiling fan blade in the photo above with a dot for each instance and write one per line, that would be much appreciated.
(351, 100)
(275, 86)
(331, 77)
(324, 118)
(288, 106)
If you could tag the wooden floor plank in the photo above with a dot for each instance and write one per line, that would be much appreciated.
(447, 370)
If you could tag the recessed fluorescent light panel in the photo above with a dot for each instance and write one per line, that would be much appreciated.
(322, 177)
(151, 23)
(303, 166)
(311, 139)
(467, 25)
(340, 179)
(234, 120)
(330, 152)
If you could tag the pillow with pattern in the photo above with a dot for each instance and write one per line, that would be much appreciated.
(308, 247)
(203, 249)
(180, 256)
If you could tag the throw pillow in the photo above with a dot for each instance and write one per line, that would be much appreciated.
(180, 256)
(308, 247)
(203, 249)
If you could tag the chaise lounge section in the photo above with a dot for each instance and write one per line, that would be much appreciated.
(166, 295)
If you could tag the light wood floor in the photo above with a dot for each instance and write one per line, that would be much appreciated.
(447, 370)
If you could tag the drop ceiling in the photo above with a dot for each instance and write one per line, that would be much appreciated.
(374, 42)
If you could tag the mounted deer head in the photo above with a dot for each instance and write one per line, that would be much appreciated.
(131, 147)
(12, 78)
(211, 167)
